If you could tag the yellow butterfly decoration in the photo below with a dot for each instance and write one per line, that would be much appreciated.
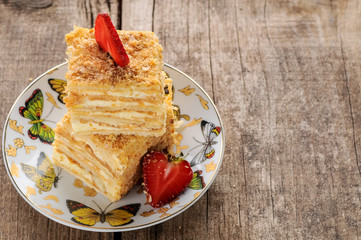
(43, 175)
(58, 86)
(87, 216)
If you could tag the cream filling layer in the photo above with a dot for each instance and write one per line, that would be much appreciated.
(83, 128)
(119, 104)
(119, 119)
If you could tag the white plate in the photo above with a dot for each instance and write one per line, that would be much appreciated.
(202, 133)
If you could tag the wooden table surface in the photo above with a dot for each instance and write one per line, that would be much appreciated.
(285, 77)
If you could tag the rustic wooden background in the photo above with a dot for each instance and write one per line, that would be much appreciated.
(285, 77)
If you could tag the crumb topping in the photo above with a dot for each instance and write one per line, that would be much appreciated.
(88, 61)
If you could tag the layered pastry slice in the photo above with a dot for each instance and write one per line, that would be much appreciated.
(104, 98)
(110, 164)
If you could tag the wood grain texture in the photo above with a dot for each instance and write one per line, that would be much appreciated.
(285, 76)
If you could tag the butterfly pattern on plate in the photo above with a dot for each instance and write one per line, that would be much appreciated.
(87, 216)
(43, 174)
(58, 86)
(210, 132)
(33, 110)
(197, 182)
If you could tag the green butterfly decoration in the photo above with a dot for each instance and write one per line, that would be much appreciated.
(197, 182)
(33, 110)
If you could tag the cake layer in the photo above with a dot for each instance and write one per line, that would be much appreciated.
(93, 127)
(142, 92)
(100, 99)
(111, 164)
(116, 116)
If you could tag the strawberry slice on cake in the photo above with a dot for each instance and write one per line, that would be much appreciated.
(108, 39)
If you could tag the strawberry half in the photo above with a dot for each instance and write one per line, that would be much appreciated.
(164, 180)
(108, 39)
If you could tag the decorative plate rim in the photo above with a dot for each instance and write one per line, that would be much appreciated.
(118, 229)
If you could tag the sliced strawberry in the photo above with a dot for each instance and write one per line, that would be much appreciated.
(164, 180)
(108, 39)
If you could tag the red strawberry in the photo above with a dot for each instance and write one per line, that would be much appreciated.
(164, 180)
(108, 39)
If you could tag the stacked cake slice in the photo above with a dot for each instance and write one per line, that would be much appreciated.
(115, 114)
(108, 163)
(107, 99)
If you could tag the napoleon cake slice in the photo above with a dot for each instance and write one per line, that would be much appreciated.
(110, 164)
(113, 177)
(104, 98)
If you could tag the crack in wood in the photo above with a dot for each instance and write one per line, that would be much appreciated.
(210, 49)
(109, 5)
(91, 14)
(245, 184)
(120, 14)
(238, 46)
(153, 10)
(207, 207)
(265, 19)
(350, 106)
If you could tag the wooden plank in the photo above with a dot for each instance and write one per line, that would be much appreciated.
(349, 38)
(32, 41)
(182, 30)
(230, 198)
(294, 109)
